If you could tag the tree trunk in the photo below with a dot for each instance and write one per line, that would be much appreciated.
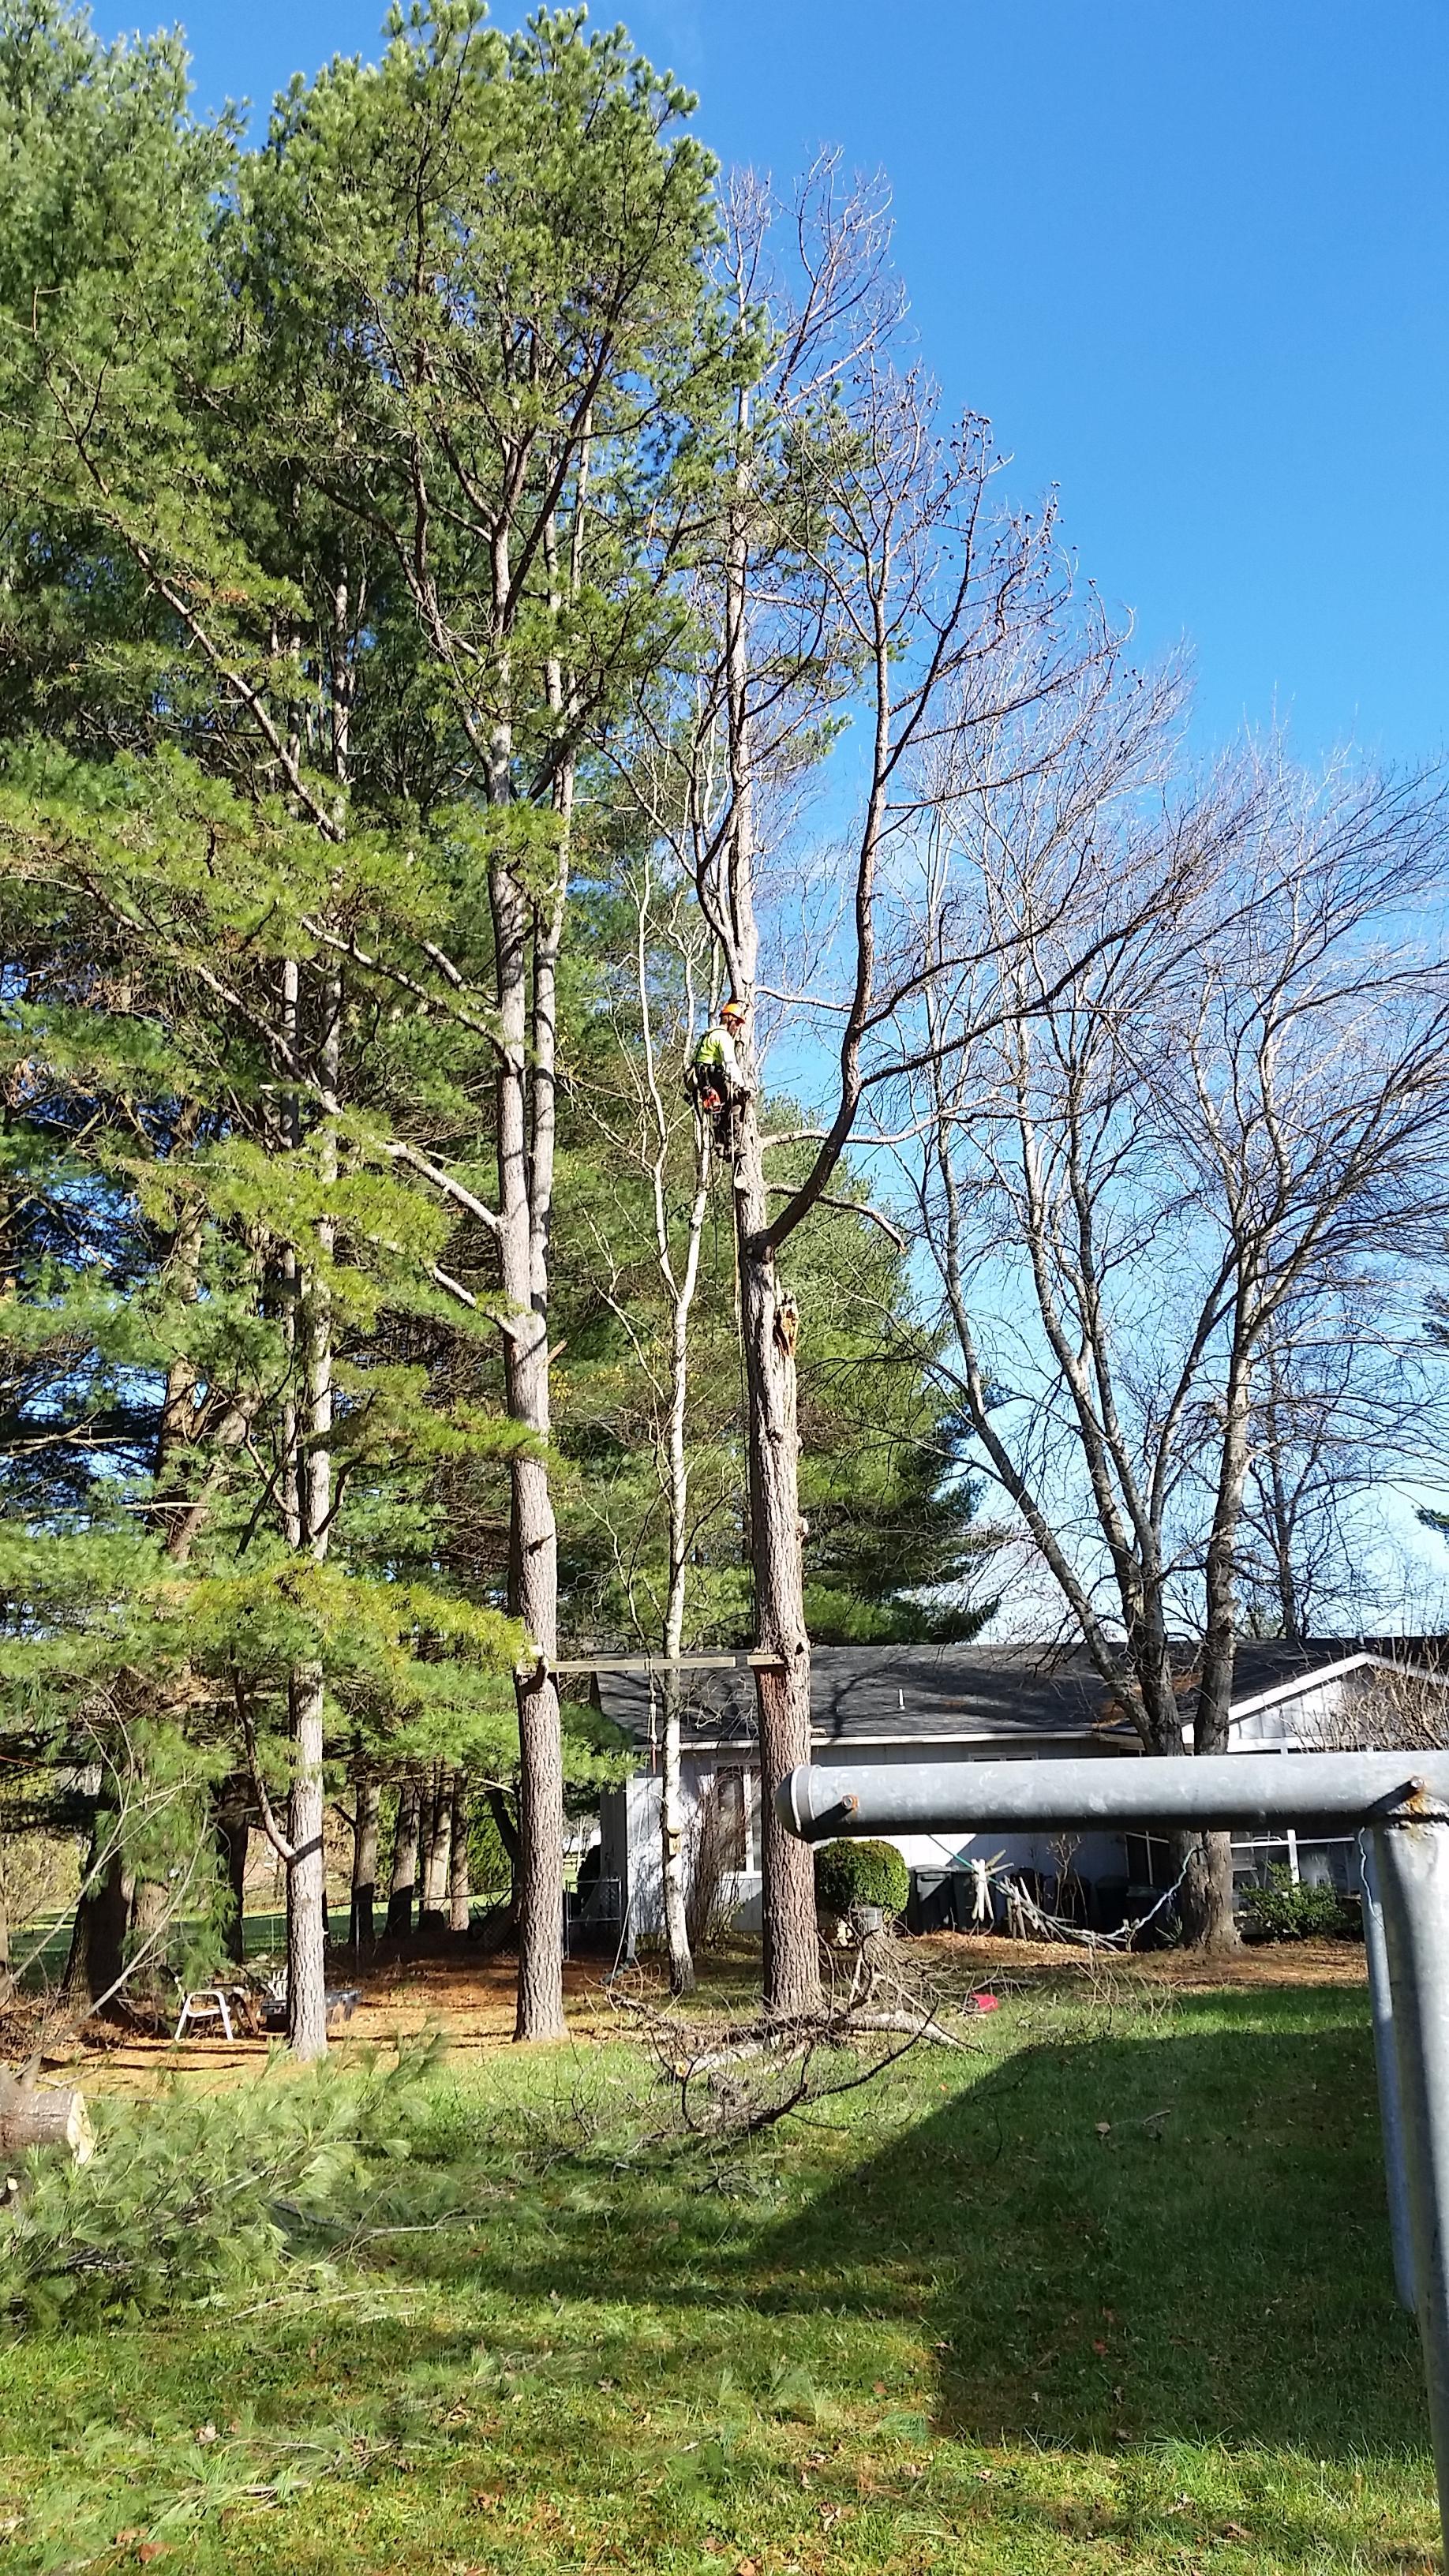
(437, 1842)
(1280, 1512)
(146, 1944)
(460, 1903)
(362, 1928)
(533, 1530)
(1205, 1903)
(671, 1809)
(768, 1323)
(671, 1828)
(679, 1283)
(43, 2115)
(1208, 1918)
(427, 1803)
(232, 1828)
(671, 1806)
(404, 1863)
(307, 1872)
(98, 1939)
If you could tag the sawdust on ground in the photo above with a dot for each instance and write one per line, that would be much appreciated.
(470, 2002)
(1254, 1964)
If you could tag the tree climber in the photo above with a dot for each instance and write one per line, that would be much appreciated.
(717, 1082)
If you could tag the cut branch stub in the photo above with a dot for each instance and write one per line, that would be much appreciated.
(43, 2115)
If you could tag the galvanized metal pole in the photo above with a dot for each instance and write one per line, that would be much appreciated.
(1411, 1861)
(1386, 2064)
(1141, 1792)
(1409, 1821)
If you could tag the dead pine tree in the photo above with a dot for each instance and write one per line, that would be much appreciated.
(856, 562)
(654, 1129)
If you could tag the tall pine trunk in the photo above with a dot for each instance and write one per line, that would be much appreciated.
(403, 1877)
(671, 1834)
(533, 1569)
(681, 1292)
(671, 1801)
(460, 1903)
(306, 1697)
(307, 1869)
(362, 1925)
(525, 923)
(768, 1323)
(436, 1852)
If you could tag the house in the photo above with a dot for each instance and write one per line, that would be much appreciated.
(901, 1704)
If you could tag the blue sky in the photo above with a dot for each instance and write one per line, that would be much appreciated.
(1190, 256)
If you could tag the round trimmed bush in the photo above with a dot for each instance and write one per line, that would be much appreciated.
(1286, 1911)
(849, 1875)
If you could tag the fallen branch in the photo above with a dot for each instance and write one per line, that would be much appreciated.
(928, 2031)
(1024, 1910)
(738, 2078)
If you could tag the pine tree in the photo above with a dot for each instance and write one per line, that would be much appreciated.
(148, 1090)
(388, 587)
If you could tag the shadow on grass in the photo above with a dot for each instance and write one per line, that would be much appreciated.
(1138, 2238)
(1175, 2238)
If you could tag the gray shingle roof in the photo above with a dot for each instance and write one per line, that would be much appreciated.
(915, 1694)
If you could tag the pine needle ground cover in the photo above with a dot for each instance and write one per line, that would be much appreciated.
(1114, 2293)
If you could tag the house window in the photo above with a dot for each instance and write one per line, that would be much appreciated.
(1149, 1860)
(734, 1819)
(750, 1838)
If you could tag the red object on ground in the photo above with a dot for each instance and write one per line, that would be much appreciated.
(986, 2003)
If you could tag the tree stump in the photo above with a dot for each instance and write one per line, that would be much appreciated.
(43, 2115)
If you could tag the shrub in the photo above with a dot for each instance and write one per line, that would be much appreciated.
(1283, 1911)
(849, 1875)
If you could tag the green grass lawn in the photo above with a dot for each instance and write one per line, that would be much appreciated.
(1114, 2294)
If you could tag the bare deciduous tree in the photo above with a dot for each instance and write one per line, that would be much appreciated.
(1350, 1401)
(1139, 1172)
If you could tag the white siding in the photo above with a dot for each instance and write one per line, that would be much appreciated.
(1294, 1717)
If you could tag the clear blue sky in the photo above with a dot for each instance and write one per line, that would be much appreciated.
(1192, 256)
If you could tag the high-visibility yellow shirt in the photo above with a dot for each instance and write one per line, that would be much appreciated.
(717, 1047)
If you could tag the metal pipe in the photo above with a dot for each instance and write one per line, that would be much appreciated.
(1386, 2065)
(1409, 1822)
(1148, 1793)
(1411, 1861)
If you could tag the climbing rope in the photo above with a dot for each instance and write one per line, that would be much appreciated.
(1026, 1920)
